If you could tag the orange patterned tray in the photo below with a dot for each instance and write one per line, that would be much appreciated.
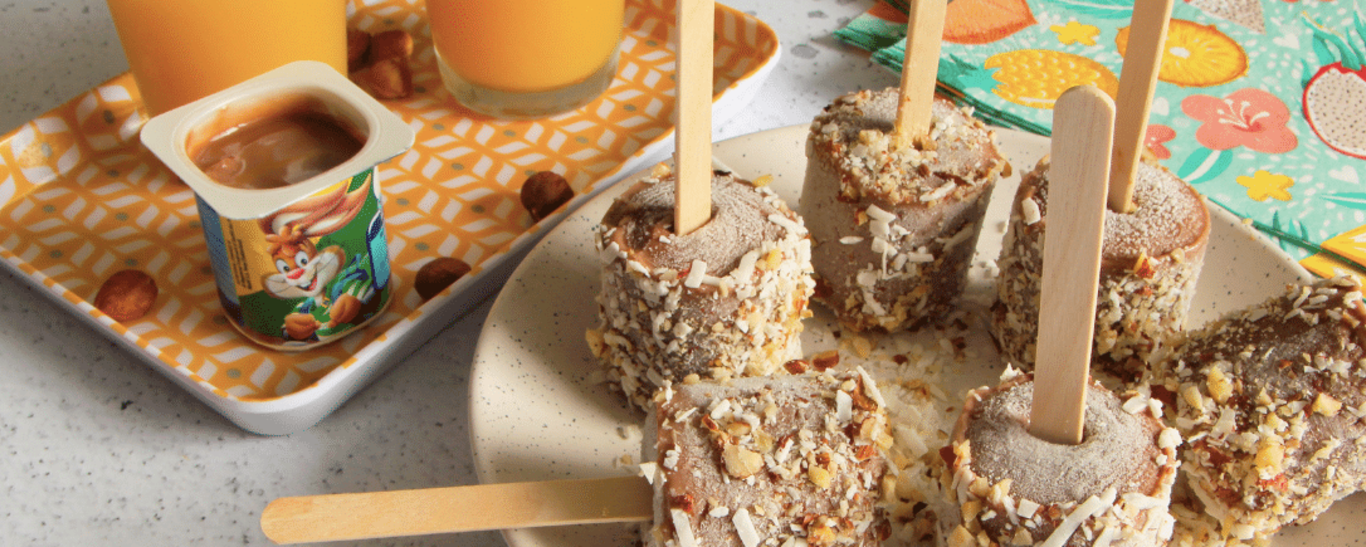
(80, 199)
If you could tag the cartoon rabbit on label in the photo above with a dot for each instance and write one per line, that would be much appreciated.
(333, 290)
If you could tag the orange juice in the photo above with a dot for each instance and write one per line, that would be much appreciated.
(182, 50)
(525, 45)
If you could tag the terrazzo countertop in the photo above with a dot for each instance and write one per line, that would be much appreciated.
(96, 448)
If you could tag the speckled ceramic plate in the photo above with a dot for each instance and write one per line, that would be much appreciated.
(538, 411)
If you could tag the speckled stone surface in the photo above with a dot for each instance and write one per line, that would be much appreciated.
(96, 448)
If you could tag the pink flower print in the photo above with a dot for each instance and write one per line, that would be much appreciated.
(1154, 138)
(1248, 117)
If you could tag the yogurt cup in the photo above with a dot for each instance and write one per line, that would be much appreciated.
(300, 265)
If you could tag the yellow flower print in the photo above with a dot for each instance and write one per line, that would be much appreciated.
(1074, 32)
(1262, 185)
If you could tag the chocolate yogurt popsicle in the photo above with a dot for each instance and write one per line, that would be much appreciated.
(725, 300)
(779, 460)
(1151, 259)
(894, 225)
(784, 460)
(1010, 488)
(1155, 236)
(1272, 402)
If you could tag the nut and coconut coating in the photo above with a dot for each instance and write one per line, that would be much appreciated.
(1150, 262)
(780, 460)
(894, 225)
(724, 300)
(1272, 402)
(1011, 488)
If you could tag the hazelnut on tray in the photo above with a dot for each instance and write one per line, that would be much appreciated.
(544, 192)
(127, 295)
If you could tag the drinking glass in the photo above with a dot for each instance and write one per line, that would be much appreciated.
(182, 50)
(525, 59)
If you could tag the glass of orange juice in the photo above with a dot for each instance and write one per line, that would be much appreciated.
(182, 50)
(524, 59)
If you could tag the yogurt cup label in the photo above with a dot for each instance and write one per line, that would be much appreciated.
(307, 273)
(305, 263)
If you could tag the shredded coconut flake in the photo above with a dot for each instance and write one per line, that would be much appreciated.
(648, 470)
(683, 527)
(695, 274)
(1092, 506)
(744, 527)
(844, 407)
(1135, 405)
(876, 213)
(1169, 438)
(1030, 209)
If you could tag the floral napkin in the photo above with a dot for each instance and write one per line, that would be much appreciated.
(1260, 104)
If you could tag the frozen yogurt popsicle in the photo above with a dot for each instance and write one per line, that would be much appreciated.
(1012, 488)
(1271, 400)
(894, 226)
(780, 460)
(724, 300)
(1150, 262)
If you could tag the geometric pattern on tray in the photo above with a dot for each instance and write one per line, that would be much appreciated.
(81, 199)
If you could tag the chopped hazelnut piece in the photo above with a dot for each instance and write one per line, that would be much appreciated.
(819, 476)
(741, 462)
(1220, 388)
(1326, 405)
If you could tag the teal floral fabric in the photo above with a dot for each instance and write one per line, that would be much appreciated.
(1261, 104)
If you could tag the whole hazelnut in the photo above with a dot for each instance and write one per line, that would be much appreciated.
(357, 44)
(126, 295)
(544, 192)
(433, 277)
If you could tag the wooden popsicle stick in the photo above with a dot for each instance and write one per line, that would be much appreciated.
(1137, 82)
(692, 138)
(397, 513)
(1083, 125)
(919, 68)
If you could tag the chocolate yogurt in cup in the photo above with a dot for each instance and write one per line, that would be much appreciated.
(283, 167)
